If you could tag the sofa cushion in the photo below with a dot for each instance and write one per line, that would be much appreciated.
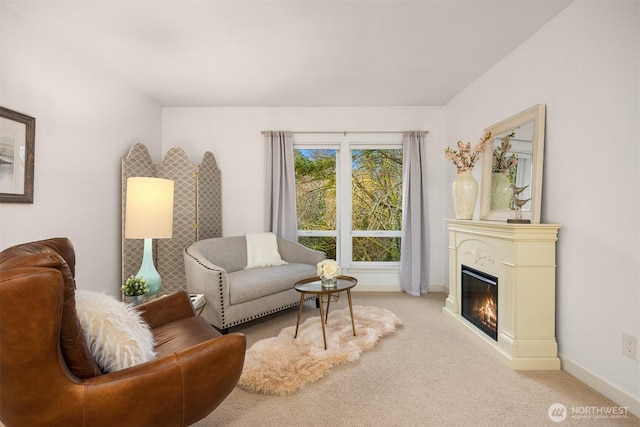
(117, 336)
(248, 285)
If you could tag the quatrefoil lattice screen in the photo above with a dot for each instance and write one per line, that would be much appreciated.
(197, 210)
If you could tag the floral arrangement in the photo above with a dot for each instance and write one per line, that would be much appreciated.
(328, 269)
(134, 286)
(501, 162)
(464, 158)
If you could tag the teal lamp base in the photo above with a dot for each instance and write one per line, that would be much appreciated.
(148, 270)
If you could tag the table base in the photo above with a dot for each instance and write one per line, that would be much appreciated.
(324, 317)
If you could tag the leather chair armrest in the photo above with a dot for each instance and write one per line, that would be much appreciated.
(166, 309)
(177, 389)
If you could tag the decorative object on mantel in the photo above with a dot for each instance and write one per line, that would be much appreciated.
(518, 205)
(465, 194)
(133, 290)
(524, 135)
(280, 365)
(503, 174)
(465, 187)
(328, 270)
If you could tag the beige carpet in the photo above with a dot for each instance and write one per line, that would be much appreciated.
(429, 373)
(281, 365)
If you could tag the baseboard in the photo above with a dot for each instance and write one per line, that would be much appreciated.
(436, 288)
(602, 386)
(376, 288)
(392, 288)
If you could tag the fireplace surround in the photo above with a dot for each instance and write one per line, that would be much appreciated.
(521, 258)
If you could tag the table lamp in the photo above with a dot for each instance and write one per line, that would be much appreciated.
(148, 216)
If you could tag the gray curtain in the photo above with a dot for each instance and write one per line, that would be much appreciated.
(281, 185)
(414, 256)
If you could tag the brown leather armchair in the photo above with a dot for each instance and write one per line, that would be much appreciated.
(48, 376)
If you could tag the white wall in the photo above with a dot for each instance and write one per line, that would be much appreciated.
(233, 136)
(584, 66)
(85, 123)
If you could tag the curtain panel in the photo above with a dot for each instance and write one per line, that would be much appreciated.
(414, 245)
(281, 185)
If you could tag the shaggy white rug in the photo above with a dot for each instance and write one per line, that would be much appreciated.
(282, 364)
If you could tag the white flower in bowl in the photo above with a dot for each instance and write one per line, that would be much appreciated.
(328, 269)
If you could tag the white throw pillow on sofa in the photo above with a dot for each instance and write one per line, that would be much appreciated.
(262, 250)
(116, 334)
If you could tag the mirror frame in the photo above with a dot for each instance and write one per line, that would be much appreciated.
(27, 143)
(535, 114)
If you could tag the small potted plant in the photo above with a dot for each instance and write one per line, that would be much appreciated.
(134, 289)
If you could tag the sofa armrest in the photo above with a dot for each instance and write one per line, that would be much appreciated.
(166, 309)
(204, 277)
(291, 251)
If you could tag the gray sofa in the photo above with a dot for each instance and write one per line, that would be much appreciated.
(215, 267)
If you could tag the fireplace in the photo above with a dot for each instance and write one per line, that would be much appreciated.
(502, 289)
(480, 300)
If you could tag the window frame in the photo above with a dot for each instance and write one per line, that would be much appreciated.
(344, 143)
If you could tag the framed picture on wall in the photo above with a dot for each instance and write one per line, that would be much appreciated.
(17, 144)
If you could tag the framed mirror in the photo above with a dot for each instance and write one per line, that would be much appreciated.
(512, 168)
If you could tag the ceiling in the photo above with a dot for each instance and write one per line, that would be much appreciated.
(193, 53)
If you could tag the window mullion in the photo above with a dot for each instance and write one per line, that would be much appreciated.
(345, 204)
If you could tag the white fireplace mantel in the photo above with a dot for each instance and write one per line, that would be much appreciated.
(522, 257)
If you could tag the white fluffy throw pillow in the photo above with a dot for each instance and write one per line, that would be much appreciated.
(116, 334)
(262, 250)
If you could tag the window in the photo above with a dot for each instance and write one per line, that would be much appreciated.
(316, 199)
(376, 204)
(349, 196)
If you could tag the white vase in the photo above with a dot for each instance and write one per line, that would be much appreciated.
(501, 192)
(465, 193)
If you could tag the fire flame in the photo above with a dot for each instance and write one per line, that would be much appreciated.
(487, 312)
